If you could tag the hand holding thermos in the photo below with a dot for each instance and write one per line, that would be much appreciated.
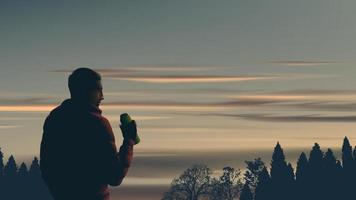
(128, 128)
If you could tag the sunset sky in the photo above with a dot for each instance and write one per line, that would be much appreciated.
(211, 82)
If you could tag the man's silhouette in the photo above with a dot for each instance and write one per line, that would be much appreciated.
(79, 158)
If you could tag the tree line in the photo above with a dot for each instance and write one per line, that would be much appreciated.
(21, 182)
(318, 177)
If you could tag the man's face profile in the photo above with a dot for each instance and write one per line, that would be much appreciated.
(96, 95)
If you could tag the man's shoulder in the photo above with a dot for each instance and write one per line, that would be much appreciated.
(98, 117)
(102, 121)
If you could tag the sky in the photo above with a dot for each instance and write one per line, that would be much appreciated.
(210, 82)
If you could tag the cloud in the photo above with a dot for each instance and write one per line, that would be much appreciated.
(139, 69)
(139, 117)
(314, 92)
(301, 62)
(174, 91)
(148, 74)
(19, 118)
(190, 78)
(26, 108)
(9, 126)
(24, 100)
(323, 100)
(289, 118)
(157, 105)
(101, 71)
(327, 106)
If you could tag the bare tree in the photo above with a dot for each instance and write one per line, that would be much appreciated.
(229, 184)
(193, 184)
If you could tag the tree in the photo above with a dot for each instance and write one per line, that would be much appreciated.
(302, 169)
(348, 167)
(290, 174)
(315, 174)
(23, 170)
(1, 163)
(330, 176)
(263, 189)
(35, 168)
(301, 176)
(279, 175)
(254, 168)
(195, 182)
(10, 169)
(228, 186)
(347, 160)
(278, 165)
(246, 193)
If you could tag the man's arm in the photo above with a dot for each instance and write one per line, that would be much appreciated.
(116, 164)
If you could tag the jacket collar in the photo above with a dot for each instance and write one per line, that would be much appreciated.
(80, 106)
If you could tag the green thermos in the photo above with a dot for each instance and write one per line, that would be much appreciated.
(125, 119)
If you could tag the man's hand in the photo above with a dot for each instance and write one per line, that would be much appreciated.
(129, 131)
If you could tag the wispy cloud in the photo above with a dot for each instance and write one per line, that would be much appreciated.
(326, 98)
(18, 118)
(139, 117)
(191, 79)
(123, 106)
(9, 126)
(26, 108)
(301, 62)
(163, 105)
(290, 118)
(327, 106)
(24, 100)
(148, 74)
(314, 92)
(139, 69)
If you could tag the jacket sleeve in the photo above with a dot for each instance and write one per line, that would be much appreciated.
(115, 164)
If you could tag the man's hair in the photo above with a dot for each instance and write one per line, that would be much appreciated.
(82, 81)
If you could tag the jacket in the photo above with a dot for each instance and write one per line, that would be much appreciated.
(78, 155)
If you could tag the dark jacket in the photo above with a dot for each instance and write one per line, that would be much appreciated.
(79, 158)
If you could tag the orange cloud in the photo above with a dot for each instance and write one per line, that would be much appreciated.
(26, 108)
(9, 126)
(192, 79)
(301, 63)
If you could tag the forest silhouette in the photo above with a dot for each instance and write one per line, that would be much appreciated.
(320, 177)
(21, 183)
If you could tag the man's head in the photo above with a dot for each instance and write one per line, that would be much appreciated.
(85, 86)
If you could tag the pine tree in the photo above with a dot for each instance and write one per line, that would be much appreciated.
(279, 175)
(10, 168)
(278, 164)
(246, 193)
(347, 164)
(316, 156)
(302, 183)
(302, 167)
(290, 173)
(347, 160)
(329, 179)
(35, 168)
(315, 173)
(23, 170)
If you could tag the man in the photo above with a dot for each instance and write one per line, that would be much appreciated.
(79, 158)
